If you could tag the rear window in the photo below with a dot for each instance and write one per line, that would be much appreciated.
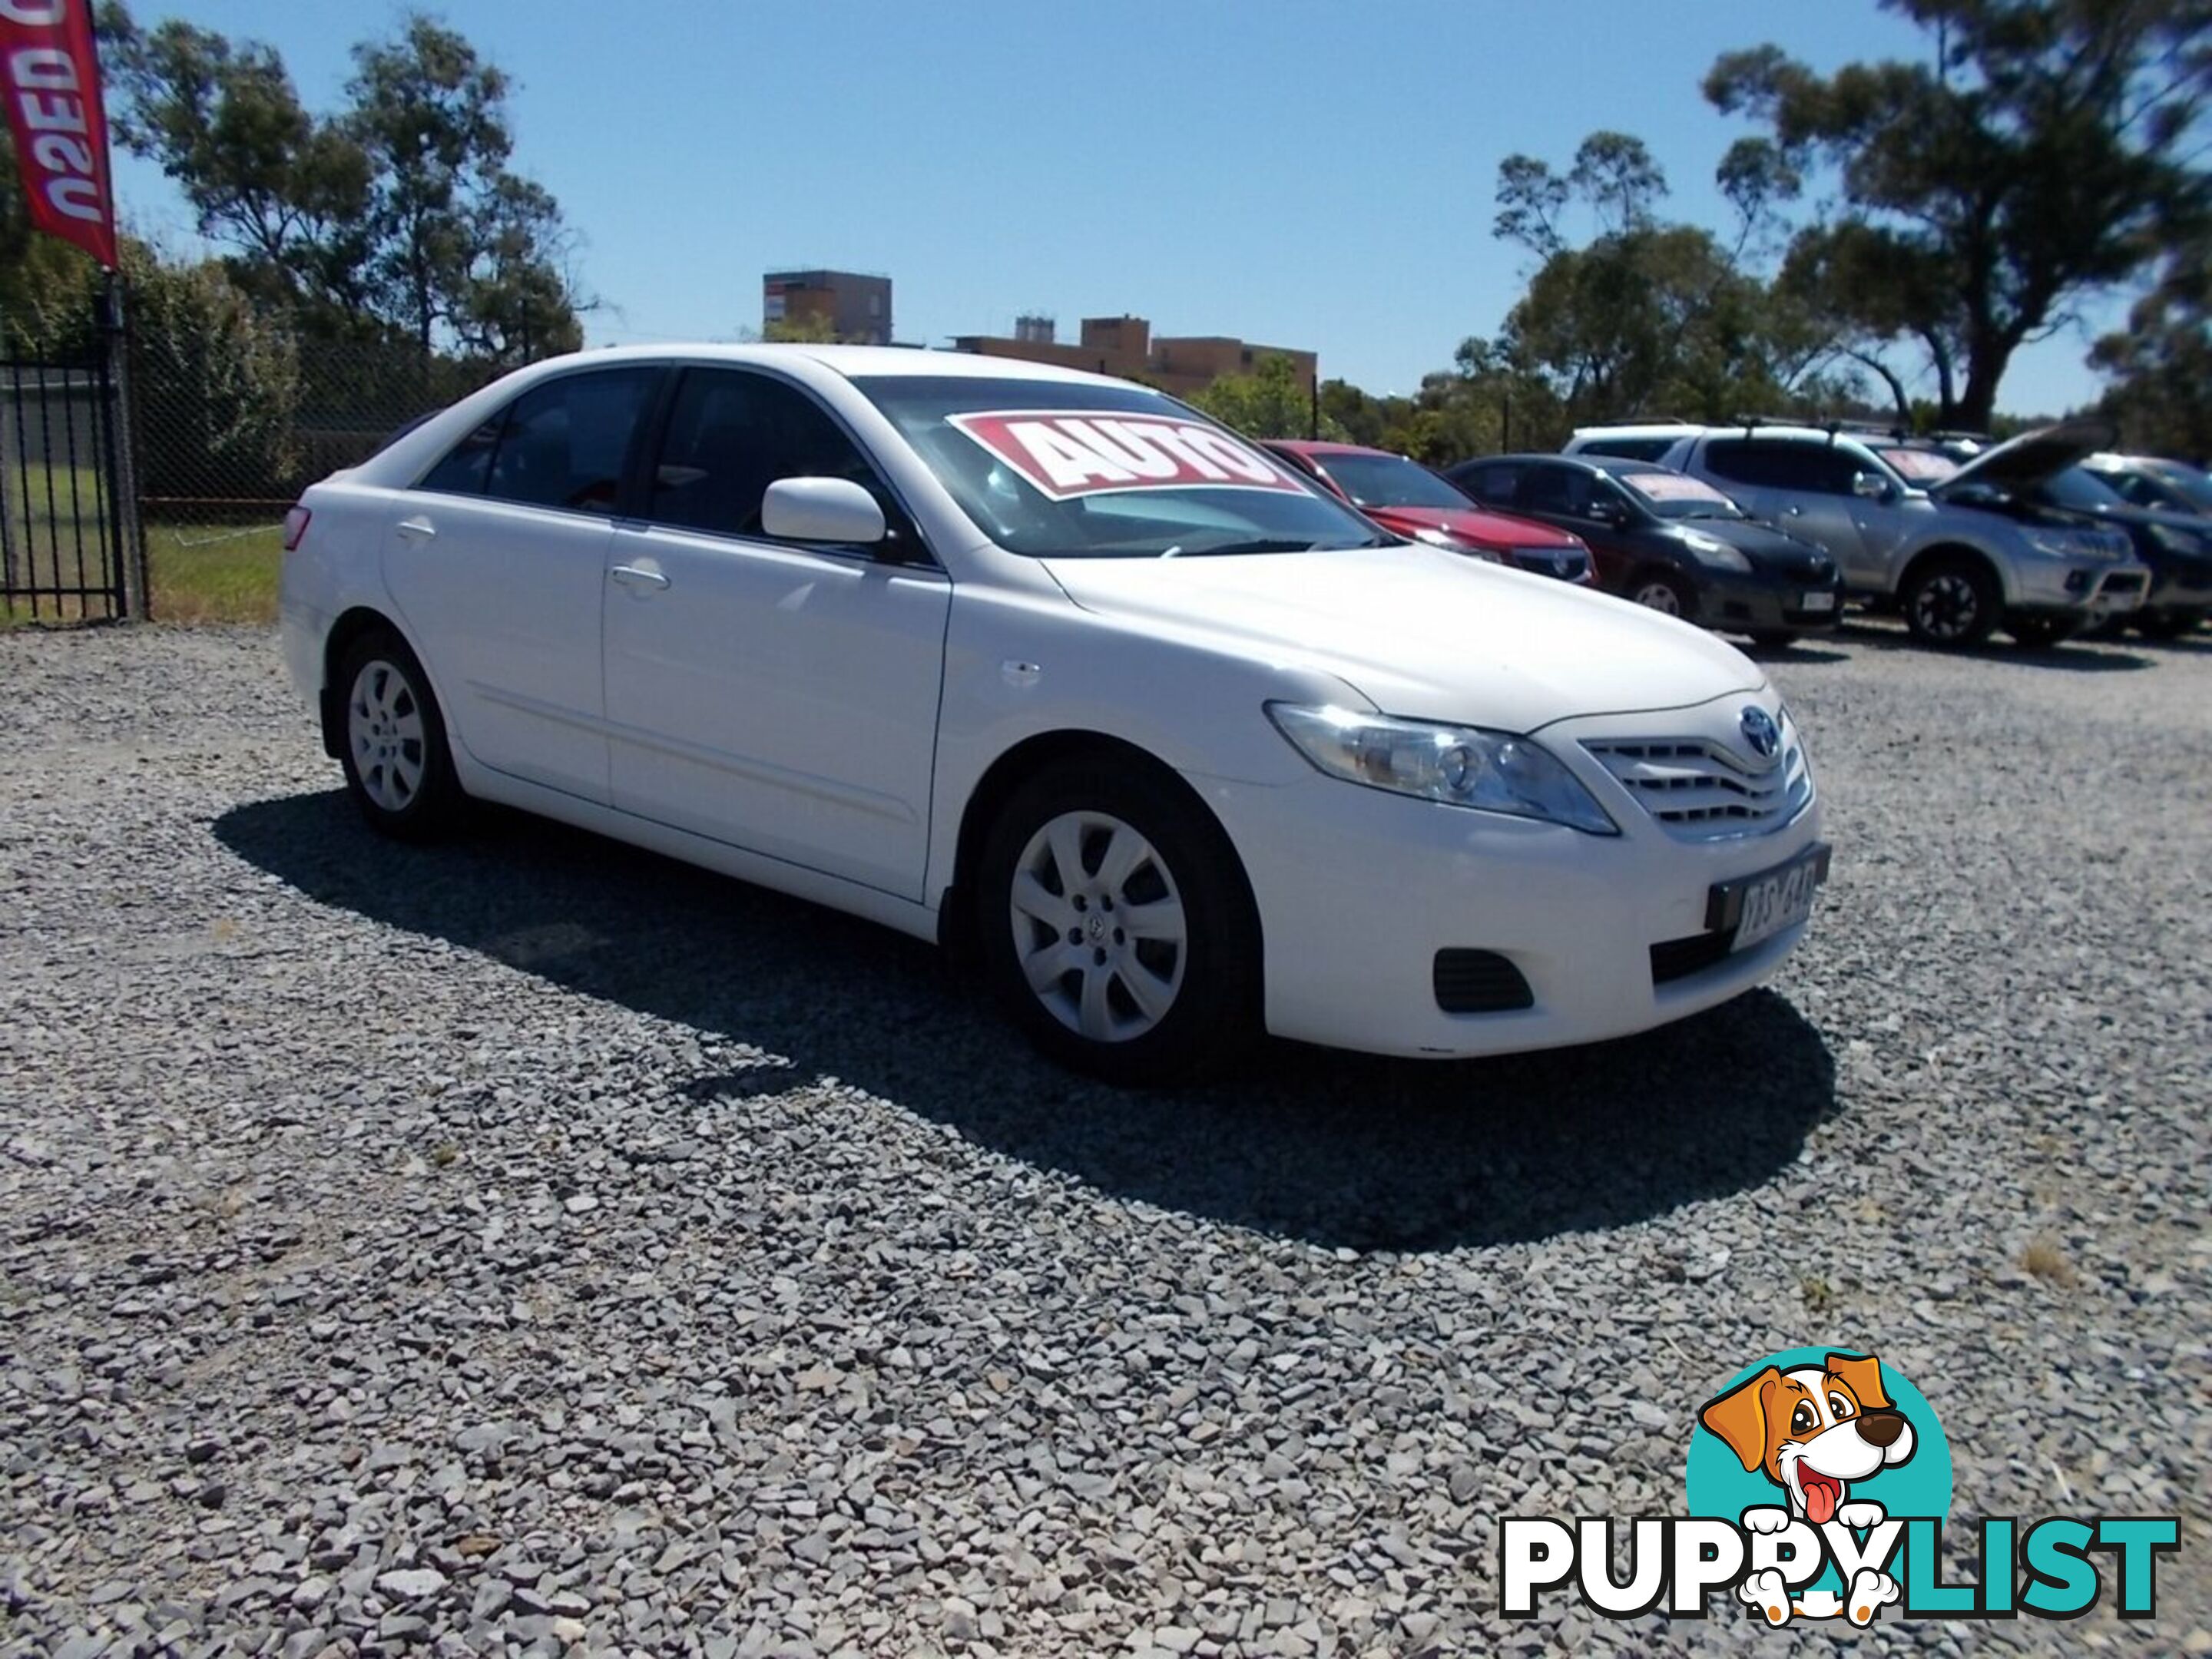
(1630, 449)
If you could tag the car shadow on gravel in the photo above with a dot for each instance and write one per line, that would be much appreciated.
(1336, 1149)
(2076, 656)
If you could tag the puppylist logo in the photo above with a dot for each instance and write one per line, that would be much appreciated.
(1817, 1490)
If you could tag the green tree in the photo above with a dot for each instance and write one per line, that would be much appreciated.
(2161, 363)
(2038, 160)
(1271, 401)
(286, 190)
(399, 211)
(218, 383)
(1647, 317)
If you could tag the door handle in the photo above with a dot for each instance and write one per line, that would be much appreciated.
(1796, 512)
(418, 530)
(632, 576)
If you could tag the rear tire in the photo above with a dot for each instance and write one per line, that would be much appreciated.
(1116, 926)
(1951, 602)
(392, 740)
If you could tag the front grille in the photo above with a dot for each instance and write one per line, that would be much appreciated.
(1699, 791)
(1678, 958)
(1479, 982)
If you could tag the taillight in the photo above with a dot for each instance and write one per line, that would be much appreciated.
(295, 526)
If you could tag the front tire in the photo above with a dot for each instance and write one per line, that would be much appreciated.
(1951, 602)
(392, 740)
(1116, 926)
(1655, 590)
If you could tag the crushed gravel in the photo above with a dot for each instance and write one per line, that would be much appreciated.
(530, 1245)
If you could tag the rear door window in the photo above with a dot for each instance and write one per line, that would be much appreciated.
(1493, 481)
(1563, 490)
(562, 444)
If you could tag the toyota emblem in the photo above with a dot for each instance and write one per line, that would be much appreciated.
(1760, 732)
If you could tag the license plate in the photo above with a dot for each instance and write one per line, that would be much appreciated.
(1823, 600)
(1759, 907)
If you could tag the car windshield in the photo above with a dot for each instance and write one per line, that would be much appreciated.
(1070, 469)
(1677, 495)
(1919, 467)
(2078, 488)
(1390, 481)
(2194, 489)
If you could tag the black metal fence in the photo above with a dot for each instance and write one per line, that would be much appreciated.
(68, 547)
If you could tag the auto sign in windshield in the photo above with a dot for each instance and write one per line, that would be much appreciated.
(1067, 469)
(1677, 495)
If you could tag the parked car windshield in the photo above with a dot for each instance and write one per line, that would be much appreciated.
(1055, 469)
(1919, 467)
(2078, 488)
(1676, 495)
(1391, 480)
(2191, 491)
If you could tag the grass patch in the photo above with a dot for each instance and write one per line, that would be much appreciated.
(214, 572)
(198, 573)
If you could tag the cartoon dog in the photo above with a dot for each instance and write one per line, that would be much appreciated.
(1812, 1430)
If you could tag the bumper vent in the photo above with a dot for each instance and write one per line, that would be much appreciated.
(1698, 791)
(1678, 958)
(1479, 982)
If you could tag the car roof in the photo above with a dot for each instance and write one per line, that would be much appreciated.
(1659, 429)
(852, 362)
(1323, 446)
(1525, 457)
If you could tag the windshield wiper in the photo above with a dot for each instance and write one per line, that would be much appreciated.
(1262, 544)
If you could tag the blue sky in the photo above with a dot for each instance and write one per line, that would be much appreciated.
(1300, 173)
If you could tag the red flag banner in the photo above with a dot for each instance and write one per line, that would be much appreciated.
(50, 76)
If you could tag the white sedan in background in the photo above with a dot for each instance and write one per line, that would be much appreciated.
(1047, 666)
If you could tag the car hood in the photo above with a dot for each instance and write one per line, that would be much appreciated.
(1489, 529)
(1425, 633)
(2032, 456)
(1762, 544)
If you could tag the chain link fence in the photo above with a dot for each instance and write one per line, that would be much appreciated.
(235, 414)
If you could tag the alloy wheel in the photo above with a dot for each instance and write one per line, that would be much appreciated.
(1947, 606)
(383, 729)
(1660, 597)
(1099, 929)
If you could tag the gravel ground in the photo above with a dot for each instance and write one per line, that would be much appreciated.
(530, 1243)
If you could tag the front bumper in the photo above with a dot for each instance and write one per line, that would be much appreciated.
(2091, 592)
(1763, 602)
(1358, 892)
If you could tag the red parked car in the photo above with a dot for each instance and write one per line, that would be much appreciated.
(1408, 500)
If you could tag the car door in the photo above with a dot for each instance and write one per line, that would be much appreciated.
(496, 563)
(776, 696)
(1563, 496)
(1812, 487)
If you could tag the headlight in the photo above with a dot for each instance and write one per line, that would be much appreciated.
(2187, 542)
(1458, 765)
(1450, 543)
(2063, 544)
(1712, 550)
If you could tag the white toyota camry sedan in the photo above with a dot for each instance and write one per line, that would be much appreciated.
(1049, 668)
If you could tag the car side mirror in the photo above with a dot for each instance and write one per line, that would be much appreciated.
(1606, 511)
(822, 510)
(1867, 487)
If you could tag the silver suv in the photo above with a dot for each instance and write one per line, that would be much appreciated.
(1960, 549)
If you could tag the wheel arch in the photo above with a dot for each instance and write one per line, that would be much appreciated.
(1949, 552)
(1016, 766)
(352, 625)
